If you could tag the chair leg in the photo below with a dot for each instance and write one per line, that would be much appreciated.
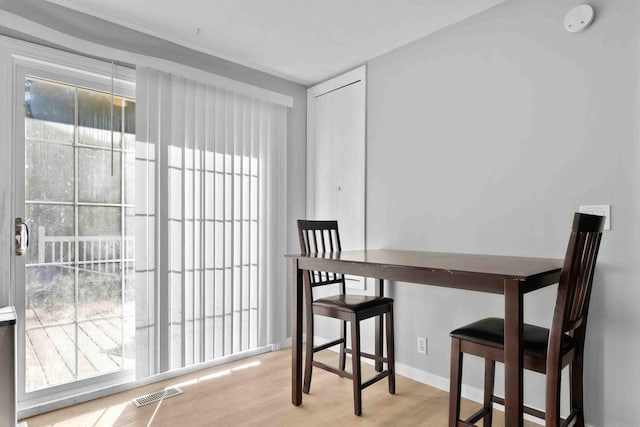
(455, 383)
(576, 389)
(378, 329)
(308, 360)
(355, 362)
(343, 351)
(489, 378)
(391, 361)
(552, 407)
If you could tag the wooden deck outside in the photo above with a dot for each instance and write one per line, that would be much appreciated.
(50, 348)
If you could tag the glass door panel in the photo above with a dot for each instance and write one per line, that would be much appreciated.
(78, 184)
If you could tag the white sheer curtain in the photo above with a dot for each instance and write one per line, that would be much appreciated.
(210, 199)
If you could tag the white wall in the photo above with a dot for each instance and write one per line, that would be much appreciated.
(486, 137)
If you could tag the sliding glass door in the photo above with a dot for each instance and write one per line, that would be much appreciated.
(156, 225)
(75, 287)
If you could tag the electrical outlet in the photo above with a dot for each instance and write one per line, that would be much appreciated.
(422, 345)
(602, 210)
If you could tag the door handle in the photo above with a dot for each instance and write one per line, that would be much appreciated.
(22, 237)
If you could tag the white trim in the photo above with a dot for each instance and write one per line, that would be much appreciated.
(310, 206)
(36, 56)
(283, 330)
(78, 76)
(337, 82)
(214, 80)
(441, 383)
(18, 23)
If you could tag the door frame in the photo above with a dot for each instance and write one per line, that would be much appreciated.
(23, 59)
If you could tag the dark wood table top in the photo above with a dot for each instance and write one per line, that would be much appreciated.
(383, 262)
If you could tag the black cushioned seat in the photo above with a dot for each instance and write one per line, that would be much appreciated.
(490, 332)
(352, 303)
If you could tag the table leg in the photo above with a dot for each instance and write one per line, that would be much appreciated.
(513, 352)
(379, 332)
(295, 282)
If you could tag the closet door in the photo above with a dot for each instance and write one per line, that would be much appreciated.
(336, 120)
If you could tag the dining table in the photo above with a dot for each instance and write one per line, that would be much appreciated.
(511, 276)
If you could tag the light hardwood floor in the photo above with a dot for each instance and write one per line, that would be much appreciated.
(257, 392)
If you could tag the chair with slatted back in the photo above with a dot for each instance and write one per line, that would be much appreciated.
(545, 351)
(323, 237)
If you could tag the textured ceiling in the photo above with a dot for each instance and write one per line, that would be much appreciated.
(306, 41)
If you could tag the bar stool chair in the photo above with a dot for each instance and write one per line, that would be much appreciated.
(323, 237)
(545, 351)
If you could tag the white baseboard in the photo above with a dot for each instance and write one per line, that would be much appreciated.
(472, 393)
(287, 343)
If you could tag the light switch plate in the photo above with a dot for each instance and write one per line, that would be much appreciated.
(602, 210)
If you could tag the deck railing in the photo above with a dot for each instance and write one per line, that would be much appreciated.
(99, 254)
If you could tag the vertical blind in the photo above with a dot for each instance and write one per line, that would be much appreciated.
(210, 190)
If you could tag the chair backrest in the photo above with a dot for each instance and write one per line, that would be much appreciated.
(576, 279)
(320, 237)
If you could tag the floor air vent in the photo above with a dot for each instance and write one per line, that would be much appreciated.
(158, 395)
